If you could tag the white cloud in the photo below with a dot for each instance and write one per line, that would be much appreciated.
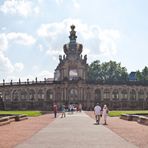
(40, 76)
(59, 2)
(37, 10)
(3, 28)
(19, 7)
(53, 53)
(21, 38)
(44, 74)
(35, 68)
(6, 66)
(3, 42)
(95, 40)
(18, 67)
(8, 70)
(73, 3)
(76, 4)
(86, 51)
(50, 30)
(41, 48)
(108, 40)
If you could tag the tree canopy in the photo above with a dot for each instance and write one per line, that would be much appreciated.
(107, 71)
(143, 75)
(113, 72)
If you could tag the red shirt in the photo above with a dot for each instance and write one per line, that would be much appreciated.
(55, 108)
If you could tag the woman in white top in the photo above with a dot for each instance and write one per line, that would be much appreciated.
(104, 114)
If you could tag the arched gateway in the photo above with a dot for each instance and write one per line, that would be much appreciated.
(70, 85)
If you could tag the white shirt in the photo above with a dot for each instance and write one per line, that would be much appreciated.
(105, 111)
(97, 110)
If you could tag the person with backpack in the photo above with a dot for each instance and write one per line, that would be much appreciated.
(97, 112)
(63, 111)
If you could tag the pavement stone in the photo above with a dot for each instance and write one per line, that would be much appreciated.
(77, 130)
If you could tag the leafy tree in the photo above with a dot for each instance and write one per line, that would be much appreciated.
(113, 71)
(107, 71)
(94, 71)
(138, 75)
(145, 73)
(142, 75)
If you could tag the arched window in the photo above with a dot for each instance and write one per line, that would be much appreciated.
(40, 94)
(88, 96)
(15, 95)
(124, 94)
(115, 94)
(132, 95)
(141, 95)
(31, 94)
(97, 95)
(106, 94)
(7, 95)
(73, 94)
(147, 96)
(23, 95)
(49, 94)
(1, 96)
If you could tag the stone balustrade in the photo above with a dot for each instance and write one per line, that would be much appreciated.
(139, 118)
(7, 118)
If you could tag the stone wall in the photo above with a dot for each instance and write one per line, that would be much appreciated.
(41, 96)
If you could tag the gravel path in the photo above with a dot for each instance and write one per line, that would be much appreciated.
(16, 132)
(129, 130)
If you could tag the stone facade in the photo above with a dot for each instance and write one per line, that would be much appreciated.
(70, 85)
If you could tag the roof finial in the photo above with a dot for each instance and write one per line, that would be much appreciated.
(72, 27)
(72, 34)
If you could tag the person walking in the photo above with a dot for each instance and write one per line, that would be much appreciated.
(55, 109)
(80, 107)
(97, 112)
(63, 111)
(105, 114)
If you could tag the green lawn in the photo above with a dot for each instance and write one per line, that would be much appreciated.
(28, 113)
(111, 113)
(119, 112)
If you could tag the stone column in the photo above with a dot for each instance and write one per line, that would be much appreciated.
(110, 94)
(137, 90)
(128, 93)
(145, 95)
(19, 95)
(102, 94)
(119, 93)
(65, 92)
(80, 94)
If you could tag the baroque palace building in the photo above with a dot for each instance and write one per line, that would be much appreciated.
(70, 85)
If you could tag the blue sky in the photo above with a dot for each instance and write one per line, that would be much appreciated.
(33, 32)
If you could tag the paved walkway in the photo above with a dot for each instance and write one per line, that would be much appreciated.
(75, 131)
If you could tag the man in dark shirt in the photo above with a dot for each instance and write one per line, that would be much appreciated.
(55, 110)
